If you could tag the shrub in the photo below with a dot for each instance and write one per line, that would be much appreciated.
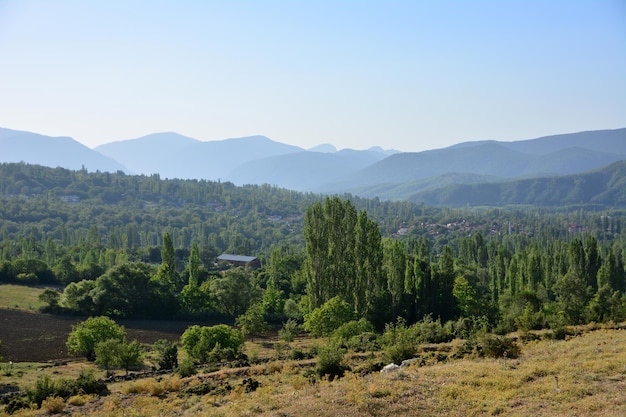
(86, 335)
(44, 387)
(200, 343)
(289, 331)
(351, 329)
(16, 404)
(86, 383)
(432, 331)
(330, 362)
(297, 355)
(490, 345)
(166, 353)
(53, 405)
(186, 368)
(364, 342)
(399, 342)
(331, 315)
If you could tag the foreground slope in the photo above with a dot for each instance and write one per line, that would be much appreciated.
(581, 376)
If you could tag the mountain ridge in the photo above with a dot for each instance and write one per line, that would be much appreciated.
(373, 173)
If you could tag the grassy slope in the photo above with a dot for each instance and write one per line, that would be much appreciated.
(20, 297)
(583, 376)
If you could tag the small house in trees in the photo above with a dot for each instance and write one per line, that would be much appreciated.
(239, 260)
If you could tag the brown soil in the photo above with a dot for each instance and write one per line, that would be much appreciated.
(34, 337)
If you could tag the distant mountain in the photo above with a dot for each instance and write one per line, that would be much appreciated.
(175, 156)
(605, 186)
(324, 148)
(303, 171)
(65, 152)
(147, 154)
(376, 172)
(552, 155)
(610, 141)
(385, 151)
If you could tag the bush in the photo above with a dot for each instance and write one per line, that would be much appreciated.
(490, 345)
(351, 329)
(297, 355)
(399, 342)
(200, 343)
(330, 362)
(53, 405)
(331, 315)
(86, 383)
(186, 368)
(16, 404)
(364, 342)
(45, 387)
(166, 354)
(86, 335)
(432, 331)
(289, 331)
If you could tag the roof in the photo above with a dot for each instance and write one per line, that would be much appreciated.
(235, 258)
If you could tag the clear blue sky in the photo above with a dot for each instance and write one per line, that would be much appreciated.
(409, 75)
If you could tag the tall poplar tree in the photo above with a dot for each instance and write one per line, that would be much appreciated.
(394, 261)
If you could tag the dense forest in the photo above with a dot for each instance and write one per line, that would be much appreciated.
(119, 245)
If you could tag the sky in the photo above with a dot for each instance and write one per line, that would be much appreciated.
(406, 75)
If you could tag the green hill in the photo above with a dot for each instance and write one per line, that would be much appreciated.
(602, 187)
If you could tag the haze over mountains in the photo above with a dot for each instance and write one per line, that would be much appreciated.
(416, 176)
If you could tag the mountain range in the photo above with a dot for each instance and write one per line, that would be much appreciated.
(434, 176)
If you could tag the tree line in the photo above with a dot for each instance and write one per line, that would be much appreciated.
(508, 267)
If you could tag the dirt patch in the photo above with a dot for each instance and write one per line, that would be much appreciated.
(35, 337)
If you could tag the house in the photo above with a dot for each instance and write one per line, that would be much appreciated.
(239, 260)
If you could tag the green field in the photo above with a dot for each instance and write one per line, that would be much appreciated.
(20, 297)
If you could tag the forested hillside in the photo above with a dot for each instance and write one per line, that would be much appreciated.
(106, 237)
(604, 187)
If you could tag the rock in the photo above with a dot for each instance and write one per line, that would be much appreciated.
(408, 362)
(389, 368)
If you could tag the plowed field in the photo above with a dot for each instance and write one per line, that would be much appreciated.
(33, 337)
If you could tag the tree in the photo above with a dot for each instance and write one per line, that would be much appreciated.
(323, 320)
(130, 355)
(78, 297)
(86, 335)
(195, 299)
(252, 321)
(166, 353)
(199, 341)
(65, 271)
(107, 354)
(443, 284)
(50, 297)
(234, 291)
(394, 258)
(166, 273)
(369, 279)
(195, 266)
(572, 295)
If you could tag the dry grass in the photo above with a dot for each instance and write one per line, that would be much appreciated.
(582, 376)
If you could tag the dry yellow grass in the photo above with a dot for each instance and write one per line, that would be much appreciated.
(582, 376)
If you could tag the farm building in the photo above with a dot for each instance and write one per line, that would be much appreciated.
(239, 260)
